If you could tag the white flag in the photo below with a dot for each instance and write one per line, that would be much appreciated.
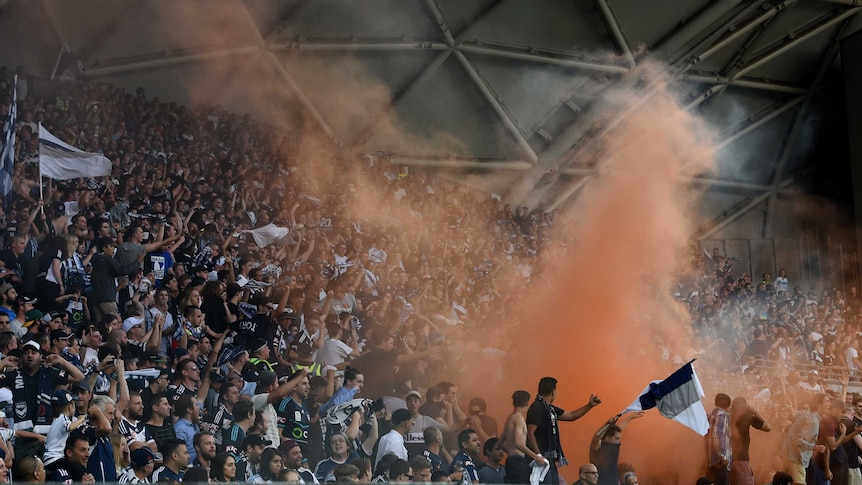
(61, 161)
(268, 234)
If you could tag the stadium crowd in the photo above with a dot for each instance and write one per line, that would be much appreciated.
(155, 327)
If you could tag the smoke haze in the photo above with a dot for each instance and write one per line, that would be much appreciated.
(601, 315)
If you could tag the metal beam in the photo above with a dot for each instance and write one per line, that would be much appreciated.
(278, 27)
(793, 39)
(743, 83)
(109, 30)
(480, 83)
(612, 24)
(55, 26)
(366, 132)
(306, 101)
(740, 31)
(570, 191)
(798, 123)
(730, 67)
(343, 44)
(757, 120)
(440, 19)
(459, 163)
(530, 54)
(705, 233)
(725, 184)
(714, 30)
(496, 105)
(710, 181)
(702, 21)
(474, 20)
(163, 60)
(522, 165)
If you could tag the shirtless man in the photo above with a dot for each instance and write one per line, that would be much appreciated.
(515, 441)
(742, 418)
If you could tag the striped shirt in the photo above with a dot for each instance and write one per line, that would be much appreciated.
(129, 476)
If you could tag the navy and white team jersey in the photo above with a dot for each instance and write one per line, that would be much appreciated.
(133, 432)
(129, 476)
(294, 421)
(232, 441)
(463, 461)
(32, 396)
(166, 473)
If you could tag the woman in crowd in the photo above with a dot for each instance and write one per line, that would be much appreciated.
(223, 468)
(340, 453)
(271, 464)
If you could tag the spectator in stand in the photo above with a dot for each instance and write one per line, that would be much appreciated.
(105, 271)
(605, 447)
(176, 460)
(205, 449)
(393, 441)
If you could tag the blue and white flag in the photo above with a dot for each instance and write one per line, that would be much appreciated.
(61, 161)
(677, 398)
(7, 153)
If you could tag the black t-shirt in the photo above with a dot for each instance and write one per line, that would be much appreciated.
(850, 447)
(536, 415)
(382, 365)
(216, 315)
(12, 262)
(161, 433)
(606, 460)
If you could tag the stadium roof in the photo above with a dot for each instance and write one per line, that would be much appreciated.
(508, 85)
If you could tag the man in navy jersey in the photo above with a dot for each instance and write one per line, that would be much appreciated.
(293, 417)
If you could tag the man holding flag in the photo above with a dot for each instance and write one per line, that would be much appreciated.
(543, 432)
(605, 447)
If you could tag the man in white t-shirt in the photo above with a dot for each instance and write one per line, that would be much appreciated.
(161, 308)
(851, 356)
(393, 441)
(334, 351)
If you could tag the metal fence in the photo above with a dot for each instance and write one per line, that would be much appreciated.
(814, 261)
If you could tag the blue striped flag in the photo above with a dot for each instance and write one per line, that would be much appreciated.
(7, 153)
(677, 397)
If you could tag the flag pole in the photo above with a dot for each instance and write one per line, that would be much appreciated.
(41, 195)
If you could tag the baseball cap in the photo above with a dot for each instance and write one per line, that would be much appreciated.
(60, 334)
(287, 313)
(414, 393)
(81, 386)
(131, 322)
(302, 348)
(287, 445)
(249, 373)
(153, 356)
(229, 355)
(257, 344)
(30, 300)
(32, 344)
(32, 316)
(255, 440)
(62, 397)
(142, 457)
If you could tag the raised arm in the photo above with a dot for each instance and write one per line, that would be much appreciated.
(577, 413)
